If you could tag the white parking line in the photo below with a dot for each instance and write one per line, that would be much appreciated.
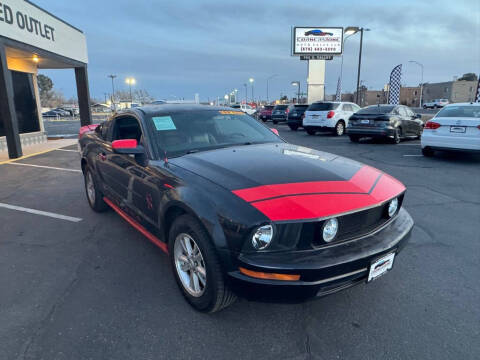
(39, 212)
(44, 167)
(413, 155)
(67, 150)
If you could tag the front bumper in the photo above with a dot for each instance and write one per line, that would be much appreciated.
(294, 121)
(371, 131)
(265, 116)
(322, 271)
(279, 117)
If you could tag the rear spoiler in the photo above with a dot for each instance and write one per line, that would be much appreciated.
(86, 129)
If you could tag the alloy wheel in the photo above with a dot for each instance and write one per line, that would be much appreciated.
(90, 187)
(190, 265)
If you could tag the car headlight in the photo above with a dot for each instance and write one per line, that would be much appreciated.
(392, 207)
(330, 229)
(262, 237)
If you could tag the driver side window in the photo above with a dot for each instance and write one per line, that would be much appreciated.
(126, 128)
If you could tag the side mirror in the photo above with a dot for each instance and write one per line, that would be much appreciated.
(275, 131)
(127, 146)
(418, 116)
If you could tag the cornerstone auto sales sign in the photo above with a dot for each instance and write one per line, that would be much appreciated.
(22, 21)
(317, 41)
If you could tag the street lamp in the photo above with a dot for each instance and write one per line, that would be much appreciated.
(341, 65)
(297, 83)
(421, 83)
(269, 78)
(113, 90)
(251, 80)
(130, 81)
(226, 98)
(246, 94)
(351, 30)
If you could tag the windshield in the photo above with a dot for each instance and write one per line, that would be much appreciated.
(187, 132)
(375, 109)
(460, 111)
(322, 106)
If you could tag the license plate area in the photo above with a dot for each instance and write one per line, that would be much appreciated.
(458, 129)
(380, 266)
(364, 121)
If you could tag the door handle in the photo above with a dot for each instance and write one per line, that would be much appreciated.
(102, 156)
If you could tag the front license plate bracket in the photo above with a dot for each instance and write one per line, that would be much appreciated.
(381, 266)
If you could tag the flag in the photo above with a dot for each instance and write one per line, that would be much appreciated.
(338, 96)
(395, 79)
(477, 96)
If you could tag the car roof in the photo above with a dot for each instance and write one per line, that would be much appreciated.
(151, 110)
(464, 104)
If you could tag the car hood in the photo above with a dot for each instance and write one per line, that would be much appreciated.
(287, 182)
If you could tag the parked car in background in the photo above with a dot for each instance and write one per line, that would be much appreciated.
(455, 127)
(54, 113)
(437, 103)
(295, 116)
(266, 113)
(247, 109)
(395, 122)
(328, 115)
(279, 113)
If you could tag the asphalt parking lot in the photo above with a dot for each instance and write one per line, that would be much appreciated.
(75, 284)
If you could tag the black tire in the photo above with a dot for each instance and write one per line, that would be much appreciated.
(264, 120)
(310, 131)
(293, 127)
(216, 294)
(396, 136)
(95, 199)
(275, 121)
(354, 138)
(424, 107)
(339, 128)
(427, 152)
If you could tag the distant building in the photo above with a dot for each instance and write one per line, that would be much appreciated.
(410, 96)
(454, 91)
(370, 97)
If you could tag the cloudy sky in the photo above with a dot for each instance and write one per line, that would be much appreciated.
(178, 48)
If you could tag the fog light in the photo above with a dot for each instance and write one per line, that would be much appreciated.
(330, 229)
(262, 237)
(392, 207)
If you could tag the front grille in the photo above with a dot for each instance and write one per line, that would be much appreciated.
(350, 226)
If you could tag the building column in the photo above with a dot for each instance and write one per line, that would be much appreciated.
(83, 95)
(7, 108)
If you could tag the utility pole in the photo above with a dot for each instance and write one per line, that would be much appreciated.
(113, 90)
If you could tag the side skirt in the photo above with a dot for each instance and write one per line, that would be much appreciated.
(137, 226)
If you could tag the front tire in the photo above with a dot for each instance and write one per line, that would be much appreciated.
(396, 136)
(94, 195)
(196, 266)
(293, 127)
(275, 122)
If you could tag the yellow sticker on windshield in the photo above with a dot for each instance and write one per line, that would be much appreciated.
(230, 112)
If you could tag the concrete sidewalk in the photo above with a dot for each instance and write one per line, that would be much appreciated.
(38, 149)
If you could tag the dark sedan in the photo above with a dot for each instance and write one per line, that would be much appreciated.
(240, 211)
(279, 113)
(395, 122)
(295, 116)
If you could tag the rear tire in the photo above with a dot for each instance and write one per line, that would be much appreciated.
(310, 131)
(275, 122)
(396, 136)
(354, 138)
(293, 127)
(340, 128)
(94, 195)
(214, 294)
(427, 152)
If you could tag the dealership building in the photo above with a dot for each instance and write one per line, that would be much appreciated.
(31, 39)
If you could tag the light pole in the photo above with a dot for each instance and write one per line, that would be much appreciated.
(113, 90)
(341, 65)
(297, 83)
(130, 81)
(351, 30)
(226, 98)
(269, 78)
(246, 94)
(421, 83)
(251, 80)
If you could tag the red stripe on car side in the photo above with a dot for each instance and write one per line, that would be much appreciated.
(361, 182)
(137, 226)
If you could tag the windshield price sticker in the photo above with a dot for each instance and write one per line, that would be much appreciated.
(163, 123)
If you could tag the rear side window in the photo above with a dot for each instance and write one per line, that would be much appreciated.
(322, 106)
(375, 109)
(460, 111)
(301, 107)
(347, 107)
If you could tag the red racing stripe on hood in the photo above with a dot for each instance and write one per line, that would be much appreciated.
(309, 200)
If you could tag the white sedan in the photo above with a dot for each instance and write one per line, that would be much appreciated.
(455, 127)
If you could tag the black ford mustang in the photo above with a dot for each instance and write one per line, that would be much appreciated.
(239, 210)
